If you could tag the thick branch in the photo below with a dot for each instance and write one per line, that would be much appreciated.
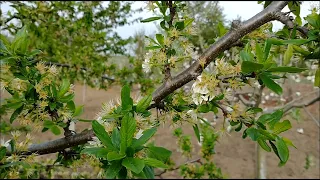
(268, 14)
(59, 144)
(189, 74)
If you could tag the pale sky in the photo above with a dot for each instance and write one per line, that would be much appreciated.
(231, 9)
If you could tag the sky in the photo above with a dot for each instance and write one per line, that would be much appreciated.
(231, 9)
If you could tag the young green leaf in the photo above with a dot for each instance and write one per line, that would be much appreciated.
(78, 111)
(270, 83)
(259, 53)
(71, 106)
(151, 19)
(144, 103)
(155, 163)
(288, 142)
(264, 144)
(112, 156)
(113, 169)
(99, 152)
(55, 130)
(64, 87)
(134, 164)
(128, 128)
(282, 149)
(280, 127)
(102, 135)
(126, 100)
(196, 131)
(246, 56)
(252, 133)
(288, 55)
(160, 38)
(148, 171)
(286, 69)
(147, 134)
(248, 66)
(159, 153)
(2, 152)
(116, 138)
(16, 113)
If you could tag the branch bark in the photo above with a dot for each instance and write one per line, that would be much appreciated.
(237, 32)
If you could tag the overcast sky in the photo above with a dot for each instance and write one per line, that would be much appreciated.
(231, 9)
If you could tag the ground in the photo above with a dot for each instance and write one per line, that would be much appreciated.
(234, 155)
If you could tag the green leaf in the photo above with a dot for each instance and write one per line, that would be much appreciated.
(317, 78)
(148, 171)
(113, 169)
(289, 142)
(179, 25)
(188, 22)
(151, 19)
(245, 56)
(155, 163)
(71, 106)
(128, 128)
(116, 138)
(264, 144)
(99, 152)
(222, 30)
(115, 156)
(67, 98)
(282, 149)
(126, 100)
(286, 69)
(314, 20)
(280, 127)
(152, 47)
(144, 138)
(276, 116)
(259, 53)
(16, 113)
(35, 52)
(248, 66)
(288, 55)
(196, 131)
(296, 41)
(159, 153)
(144, 103)
(160, 38)
(48, 124)
(239, 127)
(294, 7)
(64, 87)
(255, 109)
(252, 133)
(55, 130)
(102, 135)
(134, 164)
(78, 111)
(2, 152)
(270, 83)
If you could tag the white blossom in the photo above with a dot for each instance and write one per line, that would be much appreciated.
(197, 98)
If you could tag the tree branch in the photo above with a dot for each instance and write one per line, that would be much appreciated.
(189, 74)
(268, 14)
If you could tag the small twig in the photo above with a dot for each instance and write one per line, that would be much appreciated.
(310, 115)
(173, 169)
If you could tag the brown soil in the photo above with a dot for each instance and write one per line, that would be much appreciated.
(234, 155)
